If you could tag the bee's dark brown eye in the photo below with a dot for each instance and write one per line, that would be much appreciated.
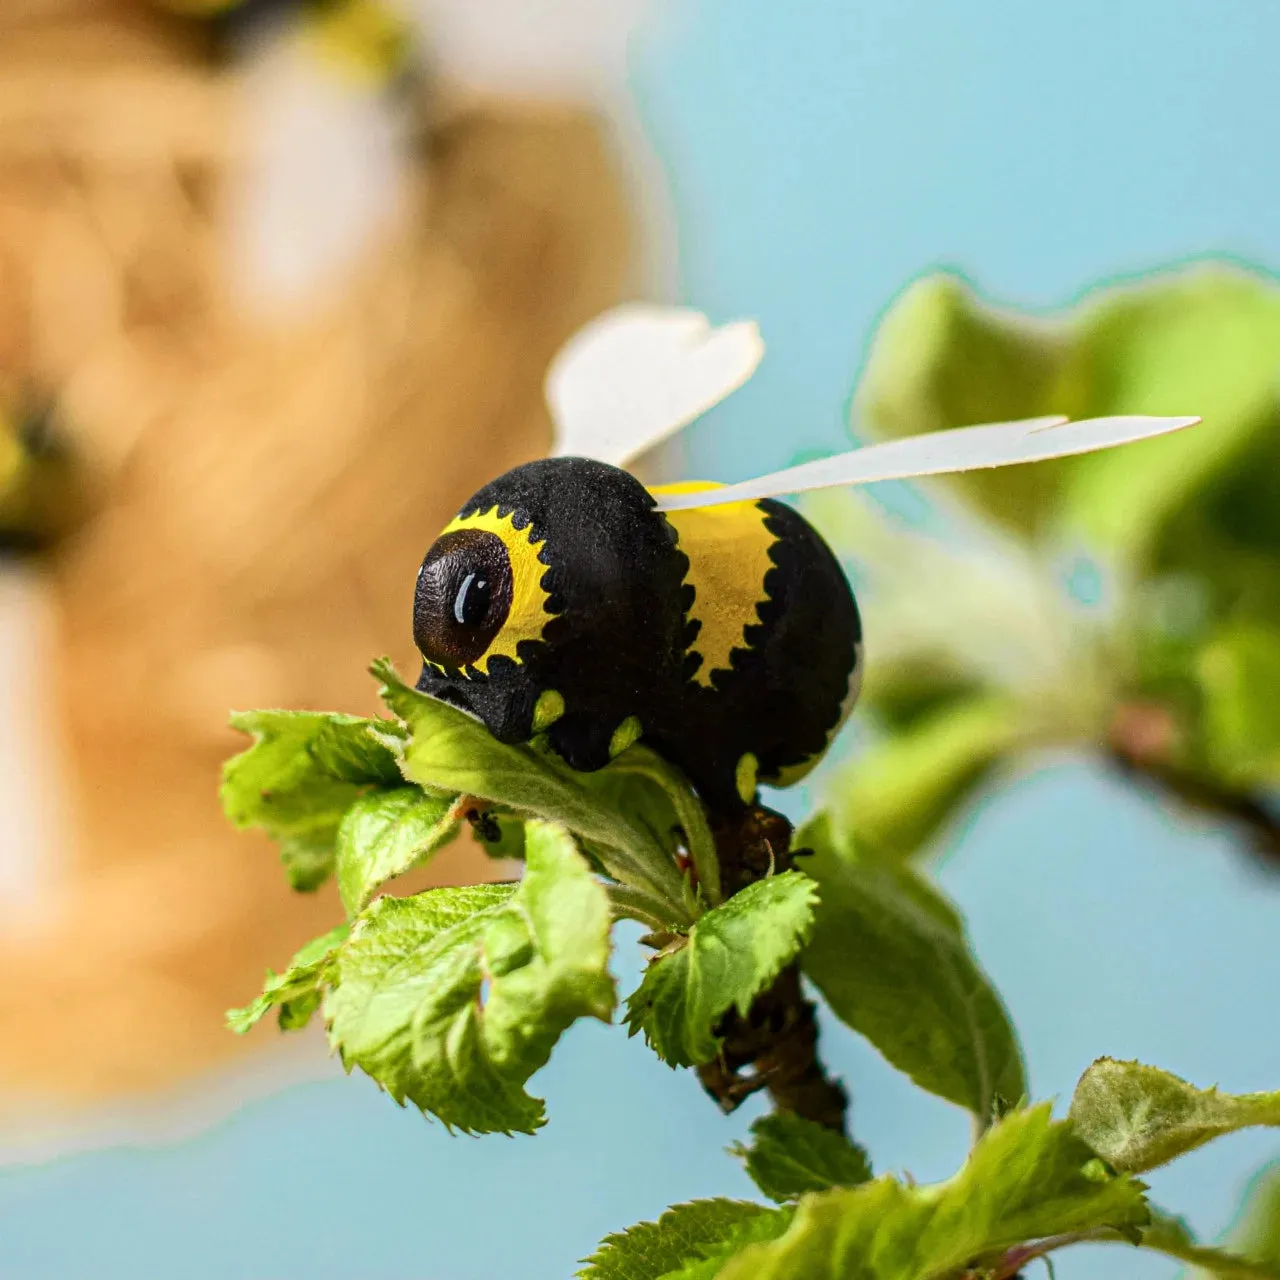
(463, 597)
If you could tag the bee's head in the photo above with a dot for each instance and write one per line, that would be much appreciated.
(464, 596)
(554, 592)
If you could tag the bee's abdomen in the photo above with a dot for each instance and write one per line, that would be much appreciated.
(778, 695)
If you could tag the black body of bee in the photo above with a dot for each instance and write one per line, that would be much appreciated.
(560, 601)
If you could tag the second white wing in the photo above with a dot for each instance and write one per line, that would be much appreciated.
(999, 444)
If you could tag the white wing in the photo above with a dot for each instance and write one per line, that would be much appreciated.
(637, 374)
(961, 449)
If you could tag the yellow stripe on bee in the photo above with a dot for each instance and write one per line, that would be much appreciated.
(728, 550)
(528, 613)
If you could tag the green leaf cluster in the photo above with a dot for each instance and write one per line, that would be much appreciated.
(727, 957)
(1173, 661)
(1030, 1186)
(452, 998)
(1027, 1179)
(303, 773)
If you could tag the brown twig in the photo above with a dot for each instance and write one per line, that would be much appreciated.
(775, 1045)
(1247, 813)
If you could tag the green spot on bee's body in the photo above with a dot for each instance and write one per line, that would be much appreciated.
(549, 709)
(624, 735)
(744, 777)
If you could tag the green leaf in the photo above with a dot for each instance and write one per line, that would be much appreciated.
(303, 772)
(450, 752)
(1201, 340)
(1171, 1236)
(730, 955)
(355, 750)
(1139, 1117)
(1027, 1178)
(684, 1241)
(942, 358)
(890, 955)
(387, 833)
(1239, 674)
(454, 997)
(789, 1156)
(1257, 1236)
(656, 796)
(898, 793)
(908, 690)
(308, 860)
(296, 992)
(1204, 337)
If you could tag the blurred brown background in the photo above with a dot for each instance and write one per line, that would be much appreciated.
(262, 485)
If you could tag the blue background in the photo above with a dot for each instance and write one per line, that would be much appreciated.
(821, 155)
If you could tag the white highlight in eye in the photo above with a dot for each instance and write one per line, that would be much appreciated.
(460, 600)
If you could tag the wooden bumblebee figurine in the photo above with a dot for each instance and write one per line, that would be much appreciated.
(713, 622)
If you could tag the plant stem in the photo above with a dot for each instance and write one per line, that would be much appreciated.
(775, 1046)
(1015, 1259)
(636, 904)
(701, 845)
(655, 877)
(1239, 809)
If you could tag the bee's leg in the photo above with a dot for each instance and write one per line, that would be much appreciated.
(583, 742)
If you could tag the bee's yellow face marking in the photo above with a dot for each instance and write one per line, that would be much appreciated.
(744, 777)
(728, 549)
(479, 593)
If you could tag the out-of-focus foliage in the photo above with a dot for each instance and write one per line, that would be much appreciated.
(1257, 1236)
(1254, 1241)
(1126, 601)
